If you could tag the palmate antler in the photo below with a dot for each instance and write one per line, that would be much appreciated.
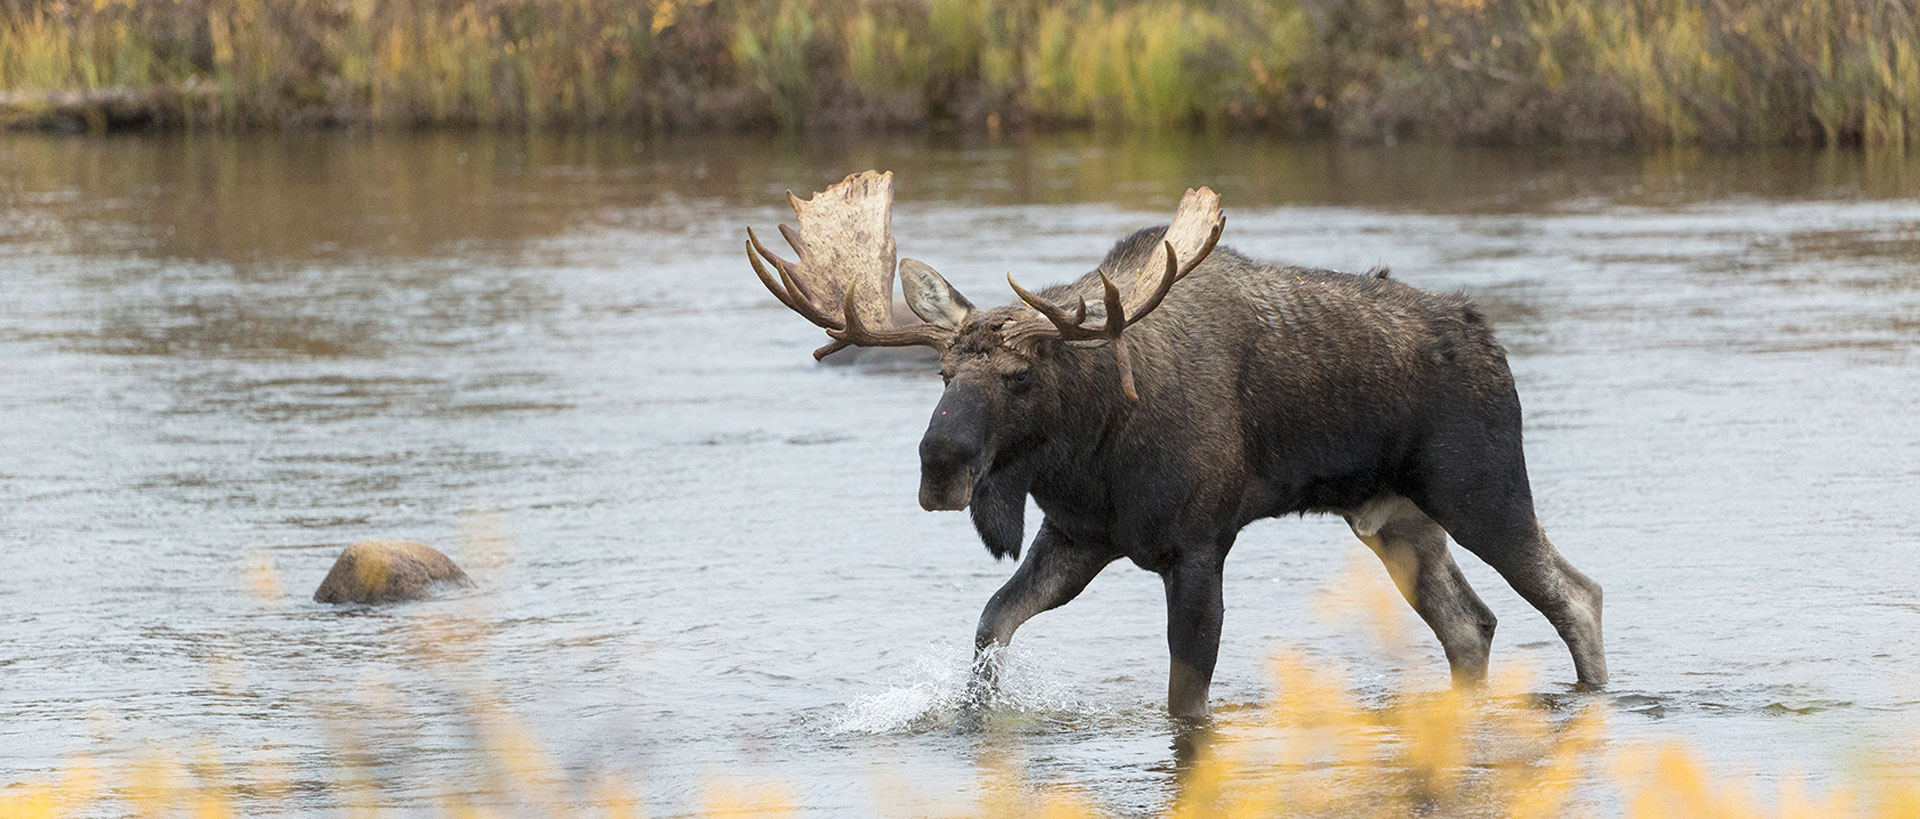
(1192, 235)
(844, 279)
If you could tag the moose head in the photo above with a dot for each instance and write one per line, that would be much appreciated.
(1012, 373)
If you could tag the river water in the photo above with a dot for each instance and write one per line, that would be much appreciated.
(698, 554)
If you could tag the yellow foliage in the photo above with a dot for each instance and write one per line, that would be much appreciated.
(1490, 751)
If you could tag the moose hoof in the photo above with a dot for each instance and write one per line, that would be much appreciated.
(380, 571)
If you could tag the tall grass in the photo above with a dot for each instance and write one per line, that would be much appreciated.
(1831, 72)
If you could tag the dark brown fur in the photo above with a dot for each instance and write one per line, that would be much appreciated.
(1264, 391)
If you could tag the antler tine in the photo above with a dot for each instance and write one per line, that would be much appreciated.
(1116, 325)
(1172, 274)
(1176, 270)
(766, 278)
(793, 238)
(795, 297)
(778, 263)
(922, 334)
(790, 273)
(1069, 324)
(830, 348)
(1213, 238)
(780, 293)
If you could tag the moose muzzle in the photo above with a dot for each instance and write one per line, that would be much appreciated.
(953, 454)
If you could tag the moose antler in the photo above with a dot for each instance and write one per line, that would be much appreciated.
(844, 279)
(1192, 235)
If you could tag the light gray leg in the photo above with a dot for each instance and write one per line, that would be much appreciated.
(1570, 600)
(1472, 478)
(1519, 550)
(1414, 549)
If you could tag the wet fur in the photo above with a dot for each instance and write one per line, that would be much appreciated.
(1272, 390)
(1265, 390)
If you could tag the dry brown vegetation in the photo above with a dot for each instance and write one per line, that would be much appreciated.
(1832, 72)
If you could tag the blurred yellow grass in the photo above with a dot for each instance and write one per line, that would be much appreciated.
(1317, 748)
(1430, 754)
(1831, 72)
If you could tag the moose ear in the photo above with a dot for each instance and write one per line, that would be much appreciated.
(930, 297)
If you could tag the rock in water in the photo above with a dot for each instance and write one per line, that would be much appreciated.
(379, 571)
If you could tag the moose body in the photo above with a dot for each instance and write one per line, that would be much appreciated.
(1249, 390)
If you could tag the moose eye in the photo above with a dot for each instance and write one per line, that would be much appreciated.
(1018, 382)
(946, 377)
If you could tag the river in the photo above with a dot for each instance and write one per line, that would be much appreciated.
(698, 553)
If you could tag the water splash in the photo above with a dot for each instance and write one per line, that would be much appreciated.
(931, 695)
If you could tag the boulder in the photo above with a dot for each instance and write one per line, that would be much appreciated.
(380, 571)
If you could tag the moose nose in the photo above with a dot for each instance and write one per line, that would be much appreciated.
(956, 433)
(951, 452)
(944, 455)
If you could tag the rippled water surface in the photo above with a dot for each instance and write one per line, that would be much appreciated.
(698, 552)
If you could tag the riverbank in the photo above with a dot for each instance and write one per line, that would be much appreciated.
(1649, 72)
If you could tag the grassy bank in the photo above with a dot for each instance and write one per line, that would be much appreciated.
(1831, 72)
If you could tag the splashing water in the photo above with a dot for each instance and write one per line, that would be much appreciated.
(932, 694)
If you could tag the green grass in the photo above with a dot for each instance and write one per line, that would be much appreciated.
(1648, 72)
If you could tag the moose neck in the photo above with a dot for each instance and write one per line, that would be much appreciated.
(1091, 413)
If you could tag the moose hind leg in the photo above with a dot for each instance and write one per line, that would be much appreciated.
(1054, 572)
(1414, 549)
(1570, 600)
(1508, 537)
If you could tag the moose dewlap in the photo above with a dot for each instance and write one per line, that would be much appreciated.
(381, 571)
(1180, 391)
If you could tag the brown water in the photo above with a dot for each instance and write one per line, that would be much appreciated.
(698, 552)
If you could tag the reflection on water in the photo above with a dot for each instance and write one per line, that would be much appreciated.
(277, 345)
(262, 201)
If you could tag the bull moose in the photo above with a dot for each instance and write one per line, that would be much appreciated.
(1180, 391)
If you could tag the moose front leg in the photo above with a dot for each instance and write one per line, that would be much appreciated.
(1194, 611)
(1055, 571)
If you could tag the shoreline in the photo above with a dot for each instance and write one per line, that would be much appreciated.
(187, 110)
(1825, 73)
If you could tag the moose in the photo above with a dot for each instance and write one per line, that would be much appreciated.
(1157, 405)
